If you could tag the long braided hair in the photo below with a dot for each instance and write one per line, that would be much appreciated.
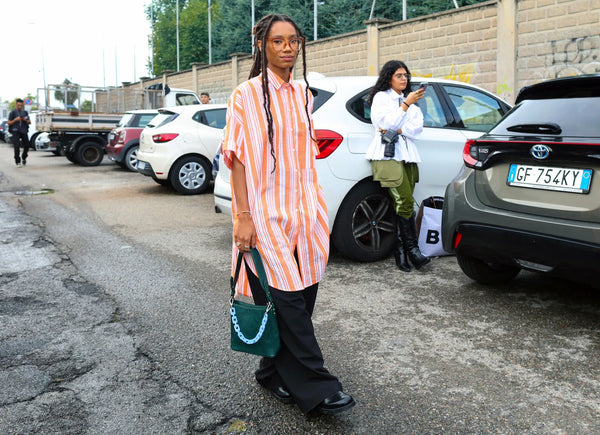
(260, 33)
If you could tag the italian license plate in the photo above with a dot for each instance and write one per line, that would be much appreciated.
(141, 165)
(550, 178)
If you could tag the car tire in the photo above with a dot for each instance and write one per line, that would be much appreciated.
(32, 141)
(89, 154)
(364, 228)
(58, 151)
(69, 155)
(190, 175)
(486, 273)
(130, 159)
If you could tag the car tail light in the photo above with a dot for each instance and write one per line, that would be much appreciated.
(457, 240)
(121, 138)
(470, 158)
(471, 155)
(160, 138)
(327, 141)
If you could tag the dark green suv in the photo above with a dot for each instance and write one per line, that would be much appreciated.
(528, 196)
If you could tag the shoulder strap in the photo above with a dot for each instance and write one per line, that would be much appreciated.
(260, 271)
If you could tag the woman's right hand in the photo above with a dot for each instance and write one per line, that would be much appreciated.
(244, 233)
(415, 96)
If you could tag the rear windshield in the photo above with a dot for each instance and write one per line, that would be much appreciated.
(162, 119)
(574, 116)
(142, 120)
(125, 120)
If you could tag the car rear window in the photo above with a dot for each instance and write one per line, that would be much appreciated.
(141, 120)
(213, 118)
(162, 119)
(125, 120)
(575, 116)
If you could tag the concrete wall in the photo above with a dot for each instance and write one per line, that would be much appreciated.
(557, 39)
(500, 45)
(459, 45)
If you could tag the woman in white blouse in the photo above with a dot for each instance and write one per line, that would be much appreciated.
(393, 108)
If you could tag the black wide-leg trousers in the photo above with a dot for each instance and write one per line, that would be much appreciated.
(299, 364)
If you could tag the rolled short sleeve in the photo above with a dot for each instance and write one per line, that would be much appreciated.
(233, 140)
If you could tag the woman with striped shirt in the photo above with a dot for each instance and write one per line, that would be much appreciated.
(278, 207)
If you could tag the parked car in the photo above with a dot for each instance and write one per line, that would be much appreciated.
(124, 139)
(529, 196)
(43, 142)
(3, 129)
(179, 144)
(361, 217)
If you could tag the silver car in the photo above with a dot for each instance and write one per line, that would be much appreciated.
(529, 194)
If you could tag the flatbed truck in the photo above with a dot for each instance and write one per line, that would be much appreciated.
(81, 136)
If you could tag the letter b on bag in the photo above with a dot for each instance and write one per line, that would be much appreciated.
(433, 237)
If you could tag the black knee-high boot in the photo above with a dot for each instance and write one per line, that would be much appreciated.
(408, 229)
(399, 251)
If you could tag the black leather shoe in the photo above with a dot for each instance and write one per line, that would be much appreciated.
(336, 403)
(282, 394)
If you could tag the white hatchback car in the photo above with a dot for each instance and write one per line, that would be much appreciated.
(361, 217)
(177, 147)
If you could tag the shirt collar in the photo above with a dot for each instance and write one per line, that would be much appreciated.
(394, 95)
(275, 80)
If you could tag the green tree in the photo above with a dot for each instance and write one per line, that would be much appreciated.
(67, 93)
(13, 104)
(193, 33)
(163, 39)
(86, 106)
(232, 23)
(232, 32)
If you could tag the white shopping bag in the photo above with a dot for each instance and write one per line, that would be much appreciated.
(430, 233)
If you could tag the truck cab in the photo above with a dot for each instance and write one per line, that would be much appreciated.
(169, 97)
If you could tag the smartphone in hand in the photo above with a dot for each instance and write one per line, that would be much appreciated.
(423, 85)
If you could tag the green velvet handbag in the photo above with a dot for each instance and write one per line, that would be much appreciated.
(253, 327)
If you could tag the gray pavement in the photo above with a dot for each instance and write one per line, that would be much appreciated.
(67, 362)
(113, 319)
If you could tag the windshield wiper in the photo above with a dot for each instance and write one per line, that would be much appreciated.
(547, 128)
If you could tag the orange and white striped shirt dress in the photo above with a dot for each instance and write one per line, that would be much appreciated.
(286, 201)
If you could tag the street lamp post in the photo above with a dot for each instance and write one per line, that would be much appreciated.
(251, 36)
(315, 16)
(177, 31)
(209, 35)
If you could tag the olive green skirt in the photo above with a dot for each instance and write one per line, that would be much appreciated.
(388, 172)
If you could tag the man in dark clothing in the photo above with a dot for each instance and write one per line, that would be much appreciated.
(18, 124)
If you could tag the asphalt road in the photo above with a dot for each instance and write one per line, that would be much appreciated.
(127, 294)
